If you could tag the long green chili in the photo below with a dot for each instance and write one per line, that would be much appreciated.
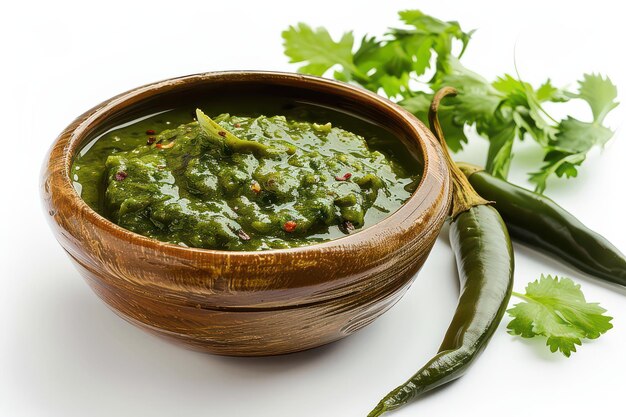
(484, 257)
(539, 222)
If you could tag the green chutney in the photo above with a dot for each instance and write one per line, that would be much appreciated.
(241, 182)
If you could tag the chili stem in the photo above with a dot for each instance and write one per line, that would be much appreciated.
(463, 195)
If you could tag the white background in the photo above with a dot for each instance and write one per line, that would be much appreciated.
(63, 353)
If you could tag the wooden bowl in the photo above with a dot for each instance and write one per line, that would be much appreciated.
(249, 303)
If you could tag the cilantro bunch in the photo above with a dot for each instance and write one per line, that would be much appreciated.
(408, 64)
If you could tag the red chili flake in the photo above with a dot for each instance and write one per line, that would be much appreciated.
(221, 133)
(243, 235)
(150, 140)
(345, 177)
(290, 226)
(270, 183)
(120, 176)
(237, 124)
(161, 146)
(255, 187)
(347, 227)
(150, 132)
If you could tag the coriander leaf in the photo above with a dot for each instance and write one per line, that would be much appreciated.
(542, 131)
(577, 136)
(547, 92)
(423, 22)
(502, 111)
(318, 49)
(405, 53)
(477, 99)
(399, 65)
(574, 138)
(476, 103)
(393, 85)
(442, 32)
(556, 309)
(600, 93)
(557, 163)
(500, 151)
(388, 65)
(524, 103)
(366, 52)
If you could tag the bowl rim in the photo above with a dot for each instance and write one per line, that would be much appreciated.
(74, 135)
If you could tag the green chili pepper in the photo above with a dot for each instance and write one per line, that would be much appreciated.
(484, 259)
(541, 223)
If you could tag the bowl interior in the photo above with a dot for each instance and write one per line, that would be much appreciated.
(305, 100)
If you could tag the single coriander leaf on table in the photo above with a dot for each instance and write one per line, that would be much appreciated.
(556, 308)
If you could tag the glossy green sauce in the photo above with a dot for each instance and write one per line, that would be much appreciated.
(245, 183)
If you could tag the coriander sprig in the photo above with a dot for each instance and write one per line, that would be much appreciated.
(504, 111)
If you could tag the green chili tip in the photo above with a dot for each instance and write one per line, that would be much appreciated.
(539, 222)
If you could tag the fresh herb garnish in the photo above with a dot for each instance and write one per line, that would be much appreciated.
(221, 136)
(503, 111)
(556, 309)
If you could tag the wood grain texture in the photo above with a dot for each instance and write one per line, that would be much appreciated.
(250, 303)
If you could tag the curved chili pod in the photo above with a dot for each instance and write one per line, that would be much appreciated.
(541, 223)
(484, 258)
